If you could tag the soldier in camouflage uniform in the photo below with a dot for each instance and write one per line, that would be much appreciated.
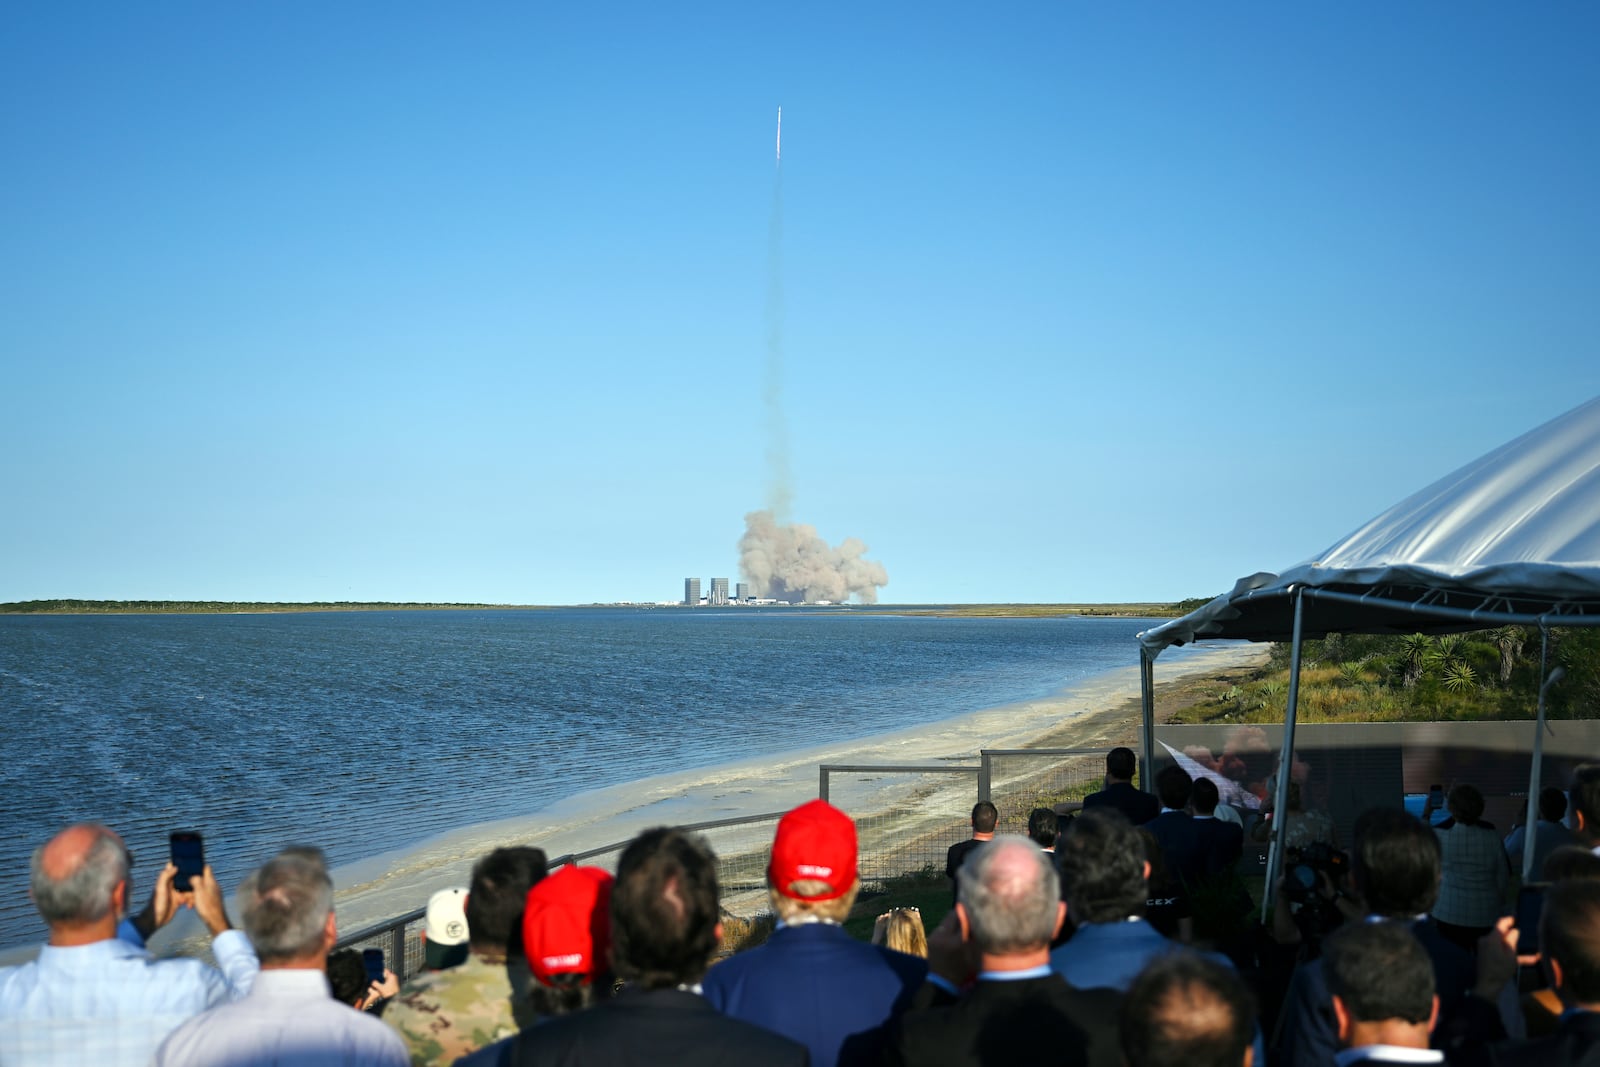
(443, 1015)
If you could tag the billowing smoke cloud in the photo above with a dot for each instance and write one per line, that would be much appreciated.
(789, 561)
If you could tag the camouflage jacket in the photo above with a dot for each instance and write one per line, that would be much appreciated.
(443, 1015)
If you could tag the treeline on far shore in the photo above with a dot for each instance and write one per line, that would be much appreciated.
(216, 607)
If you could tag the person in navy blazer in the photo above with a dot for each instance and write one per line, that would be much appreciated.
(1221, 842)
(1174, 828)
(1380, 982)
(1120, 793)
(811, 981)
(664, 928)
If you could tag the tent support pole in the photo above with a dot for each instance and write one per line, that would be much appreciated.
(1531, 824)
(1280, 799)
(1147, 727)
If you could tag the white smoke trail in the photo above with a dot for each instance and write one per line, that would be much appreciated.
(789, 561)
(780, 492)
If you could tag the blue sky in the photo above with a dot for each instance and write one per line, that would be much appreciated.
(1081, 302)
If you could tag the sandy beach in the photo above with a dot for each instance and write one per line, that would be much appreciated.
(1100, 711)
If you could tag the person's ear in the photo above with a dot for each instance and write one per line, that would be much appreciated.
(716, 932)
(963, 921)
(1341, 1016)
(1147, 870)
(119, 897)
(1433, 1015)
(1061, 917)
(330, 933)
(1557, 977)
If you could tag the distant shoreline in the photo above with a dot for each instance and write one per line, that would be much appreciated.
(248, 607)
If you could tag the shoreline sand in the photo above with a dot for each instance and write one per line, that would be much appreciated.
(1095, 712)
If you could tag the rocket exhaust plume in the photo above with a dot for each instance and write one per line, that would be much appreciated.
(780, 559)
(789, 561)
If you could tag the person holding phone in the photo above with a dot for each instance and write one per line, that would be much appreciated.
(94, 986)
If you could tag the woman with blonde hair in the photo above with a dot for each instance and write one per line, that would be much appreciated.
(901, 929)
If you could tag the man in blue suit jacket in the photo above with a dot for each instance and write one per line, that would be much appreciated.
(812, 982)
(1174, 829)
(1120, 793)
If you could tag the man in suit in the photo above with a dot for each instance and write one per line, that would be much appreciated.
(1174, 828)
(1119, 792)
(1016, 1012)
(811, 981)
(1187, 1011)
(1569, 936)
(984, 819)
(664, 929)
(1221, 842)
(1395, 871)
(1380, 981)
(1584, 801)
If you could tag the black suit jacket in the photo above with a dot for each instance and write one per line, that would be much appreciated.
(652, 1029)
(1001, 1024)
(1139, 807)
(1181, 849)
(1222, 843)
(1576, 1043)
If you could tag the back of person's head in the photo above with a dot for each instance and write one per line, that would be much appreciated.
(1467, 803)
(903, 932)
(1043, 825)
(1011, 896)
(664, 909)
(75, 873)
(347, 975)
(1102, 868)
(495, 897)
(1204, 797)
(1120, 764)
(1569, 939)
(566, 929)
(985, 816)
(1186, 1011)
(1173, 786)
(1395, 867)
(812, 869)
(285, 904)
(1379, 971)
(1584, 798)
(1552, 804)
(1570, 861)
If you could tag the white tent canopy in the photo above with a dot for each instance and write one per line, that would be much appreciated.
(1511, 538)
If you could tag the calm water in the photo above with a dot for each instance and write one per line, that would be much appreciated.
(365, 732)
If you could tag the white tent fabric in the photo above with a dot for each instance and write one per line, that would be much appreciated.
(1511, 537)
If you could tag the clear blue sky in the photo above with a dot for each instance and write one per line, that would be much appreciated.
(1082, 302)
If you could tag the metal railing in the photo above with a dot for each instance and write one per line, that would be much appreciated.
(910, 829)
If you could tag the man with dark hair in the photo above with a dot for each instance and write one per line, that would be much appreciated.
(1187, 1011)
(94, 994)
(1043, 826)
(1584, 800)
(1174, 828)
(1549, 832)
(664, 928)
(1017, 1011)
(1380, 982)
(985, 817)
(1119, 792)
(1569, 942)
(444, 1015)
(289, 1015)
(1395, 873)
(1221, 842)
(811, 981)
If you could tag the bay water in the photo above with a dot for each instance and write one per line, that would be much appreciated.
(366, 732)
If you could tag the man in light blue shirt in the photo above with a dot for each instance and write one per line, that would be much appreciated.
(94, 995)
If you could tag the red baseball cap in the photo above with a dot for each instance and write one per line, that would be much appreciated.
(815, 842)
(566, 924)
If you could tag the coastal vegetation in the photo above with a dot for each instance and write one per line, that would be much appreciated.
(216, 607)
(1486, 674)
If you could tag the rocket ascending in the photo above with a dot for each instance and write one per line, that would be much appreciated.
(780, 134)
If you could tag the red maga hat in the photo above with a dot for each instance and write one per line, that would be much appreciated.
(566, 924)
(816, 842)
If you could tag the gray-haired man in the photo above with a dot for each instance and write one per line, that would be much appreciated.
(290, 1015)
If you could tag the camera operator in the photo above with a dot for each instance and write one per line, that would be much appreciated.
(1395, 874)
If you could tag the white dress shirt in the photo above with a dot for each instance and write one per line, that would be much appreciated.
(289, 1017)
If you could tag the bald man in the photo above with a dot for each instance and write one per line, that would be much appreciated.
(94, 994)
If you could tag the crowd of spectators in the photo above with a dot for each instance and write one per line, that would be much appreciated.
(1050, 954)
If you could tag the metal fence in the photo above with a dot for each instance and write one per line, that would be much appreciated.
(913, 814)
